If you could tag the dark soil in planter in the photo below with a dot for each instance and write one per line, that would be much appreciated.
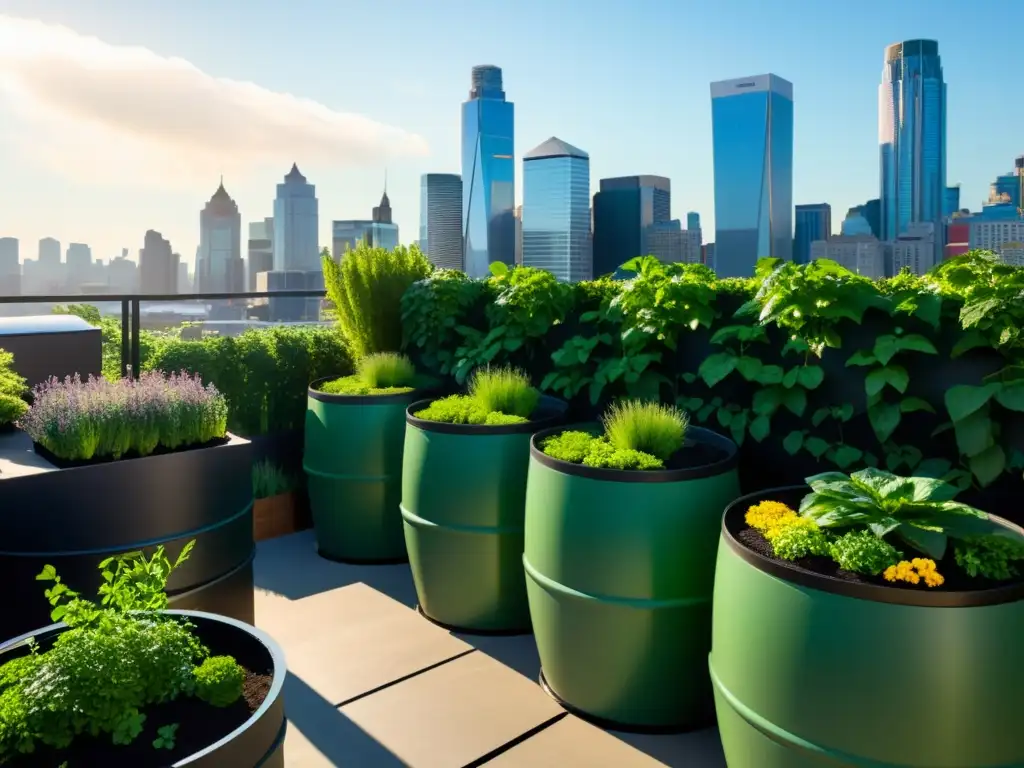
(695, 455)
(955, 579)
(160, 451)
(199, 726)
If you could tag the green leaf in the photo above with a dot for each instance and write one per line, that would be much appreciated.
(795, 401)
(716, 367)
(963, 399)
(789, 380)
(766, 401)
(49, 573)
(895, 376)
(884, 418)
(988, 465)
(846, 411)
(724, 416)
(861, 357)
(810, 376)
(770, 374)
(886, 348)
(749, 367)
(819, 416)
(974, 433)
(933, 468)
(498, 268)
(816, 446)
(760, 427)
(1011, 396)
(930, 543)
(794, 442)
(911, 404)
(728, 333)
(915, 342)
(738, 427)
(846, 455)
(970, 340)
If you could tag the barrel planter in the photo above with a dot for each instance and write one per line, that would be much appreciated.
(463, 501)
(811, 670)
(353, 464)
(74, 517)
(258, 742)
(619, 572)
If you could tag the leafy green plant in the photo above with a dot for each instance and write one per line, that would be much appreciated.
(166, 735)
(992, 557)
(920, 511)
(590, 450)
(269, 479)
(112, 661)
(463, 409)
(219, 681)
(861, 551)
(432, 309)
(366, 288)
(13, 390)
(652, 428)
(794, 542)
(383, 373)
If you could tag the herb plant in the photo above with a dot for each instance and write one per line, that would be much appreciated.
(366, 288)
(383, 373)
(497, 396)
(269, 479)
(114, 659)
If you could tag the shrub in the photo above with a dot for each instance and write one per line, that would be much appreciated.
(652, 428)
(504, 390)
(113, 661)
(219, 681)
(12, 391)
(863, 552)
(992, 556)
(366, 288)
(76, 420)
(268, 479)
(383, 373)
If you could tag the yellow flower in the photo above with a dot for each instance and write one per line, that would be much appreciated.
(912, 572)
(767, 515)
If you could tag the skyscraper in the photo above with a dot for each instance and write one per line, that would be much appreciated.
(261, 249)
(488, 174)
(951, 200)
(49, 251)
(296, 225)
(556, 210)
(911, 137)
(752, 137)
(10, 267)
(79, 265)
(626, 209)
(379, 231)
(813, 222)
(441, 219)
(219, 265)
(692, 220)
(158, 266)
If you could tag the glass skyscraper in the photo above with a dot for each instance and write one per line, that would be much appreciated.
(693, 220)
(752, 136)
(441, 219)
(911, 137)
(488, 174)
(625, 210)
(556, 210)
(813, 222)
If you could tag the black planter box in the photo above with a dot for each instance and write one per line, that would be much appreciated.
(75, 517)
(257, 743)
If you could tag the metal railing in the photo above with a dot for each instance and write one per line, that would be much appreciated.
(131, 314)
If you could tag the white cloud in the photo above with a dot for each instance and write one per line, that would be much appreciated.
(117, 113)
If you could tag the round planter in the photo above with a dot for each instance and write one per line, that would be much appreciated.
(619, 570)
(353, 464)
(74, 517)
(256, 743)
(810, 670)
(463, 499)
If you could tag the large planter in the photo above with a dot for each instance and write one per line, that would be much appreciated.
(619, 572)
(353, 464)
(75, 517)
(279, 515)
(810, 670)
(463, 501)
(256, 743)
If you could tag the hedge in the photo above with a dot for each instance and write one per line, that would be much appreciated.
(808, 367)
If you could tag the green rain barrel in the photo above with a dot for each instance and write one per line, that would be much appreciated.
(619, 572)
(463, 499)
(812, 671)
(353, 464)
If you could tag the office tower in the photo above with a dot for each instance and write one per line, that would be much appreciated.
(951, 201)
(123, 274)
(184, 284)
(291, 309)
(813, 222)
(871, 213)
(752, 137)
(912, 137)
(10, 267)
(79, 266)
(49, 251)
(693, 220)
(296, 225)
(1009, 187)
(665, 241)
(556, 210)
(519, 235)
(709, 255)
(378, 232)
(625, 210)
(441, 219)
(863, 254)
(261, 249)
(488, 174)
(915, 249)
(219, 266)
(158, 266)
(692, 242)
(855, 224)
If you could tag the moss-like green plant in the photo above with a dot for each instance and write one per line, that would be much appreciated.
(383, 373)
(863, 552)
(504, 390)
(796, 541)
(464, 409)
(366, 288)
(268, 479)
(219, 681)
(652, 428)
(595, 451)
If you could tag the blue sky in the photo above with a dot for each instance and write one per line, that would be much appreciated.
(626, 81)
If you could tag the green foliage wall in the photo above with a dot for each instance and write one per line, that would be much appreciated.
(806, 366)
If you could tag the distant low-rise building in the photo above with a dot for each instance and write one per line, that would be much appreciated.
(915, 249)
(863, 254)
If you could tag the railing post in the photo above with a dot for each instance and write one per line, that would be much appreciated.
(136, 340)
(125, 338)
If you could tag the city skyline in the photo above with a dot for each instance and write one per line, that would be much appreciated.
(836, 123)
